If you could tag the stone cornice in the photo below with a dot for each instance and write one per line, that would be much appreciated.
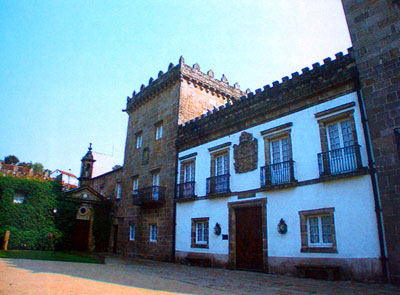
(269, 102)
(192, 75)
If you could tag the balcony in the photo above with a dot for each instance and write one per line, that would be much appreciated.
(151, 196)
(186, 190)
(218, 184)
(340, 161)
(277, 174)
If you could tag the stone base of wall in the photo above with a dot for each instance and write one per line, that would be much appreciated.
(202, 259)
(362, 269)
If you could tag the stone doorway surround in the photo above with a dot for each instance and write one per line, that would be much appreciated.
(232, 206)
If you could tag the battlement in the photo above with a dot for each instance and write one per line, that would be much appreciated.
(192, 75)
(309, 83)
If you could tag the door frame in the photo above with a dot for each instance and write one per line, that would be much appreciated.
(232, 206)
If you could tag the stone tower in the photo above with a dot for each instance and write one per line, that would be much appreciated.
(146, 208)
(86, 167)
(375, 33)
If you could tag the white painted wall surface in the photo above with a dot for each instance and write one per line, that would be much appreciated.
(354, 216)
(352, 198)
(306, 144)
(216, 210)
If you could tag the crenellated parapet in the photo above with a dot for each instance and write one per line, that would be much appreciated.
(193, 76)
(270, 102)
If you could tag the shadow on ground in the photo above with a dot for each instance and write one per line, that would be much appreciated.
(178, 278)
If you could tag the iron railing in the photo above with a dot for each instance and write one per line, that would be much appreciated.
(339, 161)
(218, 184)
(185, 190)
(278, 173)
(149, 195)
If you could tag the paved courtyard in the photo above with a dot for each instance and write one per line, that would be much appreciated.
(120, 276)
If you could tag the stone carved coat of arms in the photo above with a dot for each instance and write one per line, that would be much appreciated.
(246, 153)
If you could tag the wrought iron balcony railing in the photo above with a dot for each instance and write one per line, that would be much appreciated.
(278, 173)
(185, 190)
(218, 184)
(339, 161)
(152, 195)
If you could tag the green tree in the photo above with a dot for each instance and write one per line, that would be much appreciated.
(11, 159)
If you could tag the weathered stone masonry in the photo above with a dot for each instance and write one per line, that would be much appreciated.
(175, 97)
(375, 33)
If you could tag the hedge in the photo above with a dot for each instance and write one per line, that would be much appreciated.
(31, 222)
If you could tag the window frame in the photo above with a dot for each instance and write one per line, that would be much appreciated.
(213, 164)
(332, 119)
(135, 184)
(275, 134)
(306, 245)
(155, 178)
(158, 130)
(184, 165)
(139, 139)
(119, 191)
(151, 227)
(195, 243)
(132, 232)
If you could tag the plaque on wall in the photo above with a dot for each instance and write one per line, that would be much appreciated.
(245, 154)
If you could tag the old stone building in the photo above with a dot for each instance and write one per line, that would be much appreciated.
(375, 33)
(185, 109)
(144, 214)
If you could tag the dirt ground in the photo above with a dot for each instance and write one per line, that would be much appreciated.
(121, 276)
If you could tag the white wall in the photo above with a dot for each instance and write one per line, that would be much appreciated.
(352, 198)
(306, 145)
(354, 217)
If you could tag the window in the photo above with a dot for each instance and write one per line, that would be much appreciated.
(280, 161)
(156, 185)
(221, 165)
(188, 172)
(19, 198)
(278, 167)
(200, 232)
(85, 196)
(139, 140)
(187, 179)
(318, 231)
(135, 185)
(340, 134)
(119, 190)
(132, 233)
(159, 131)
(153, 232)
(219, 180)
(340, 149)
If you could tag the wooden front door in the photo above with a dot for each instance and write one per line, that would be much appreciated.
(115, 244)
(80, 237)
(249, 247)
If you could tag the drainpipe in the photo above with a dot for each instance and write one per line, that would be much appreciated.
(374, 180)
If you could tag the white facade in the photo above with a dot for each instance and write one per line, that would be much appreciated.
(350, 198)
(66, 178)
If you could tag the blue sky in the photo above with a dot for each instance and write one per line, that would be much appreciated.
(66, 67)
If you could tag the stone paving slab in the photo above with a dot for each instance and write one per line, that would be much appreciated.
(137, 276)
